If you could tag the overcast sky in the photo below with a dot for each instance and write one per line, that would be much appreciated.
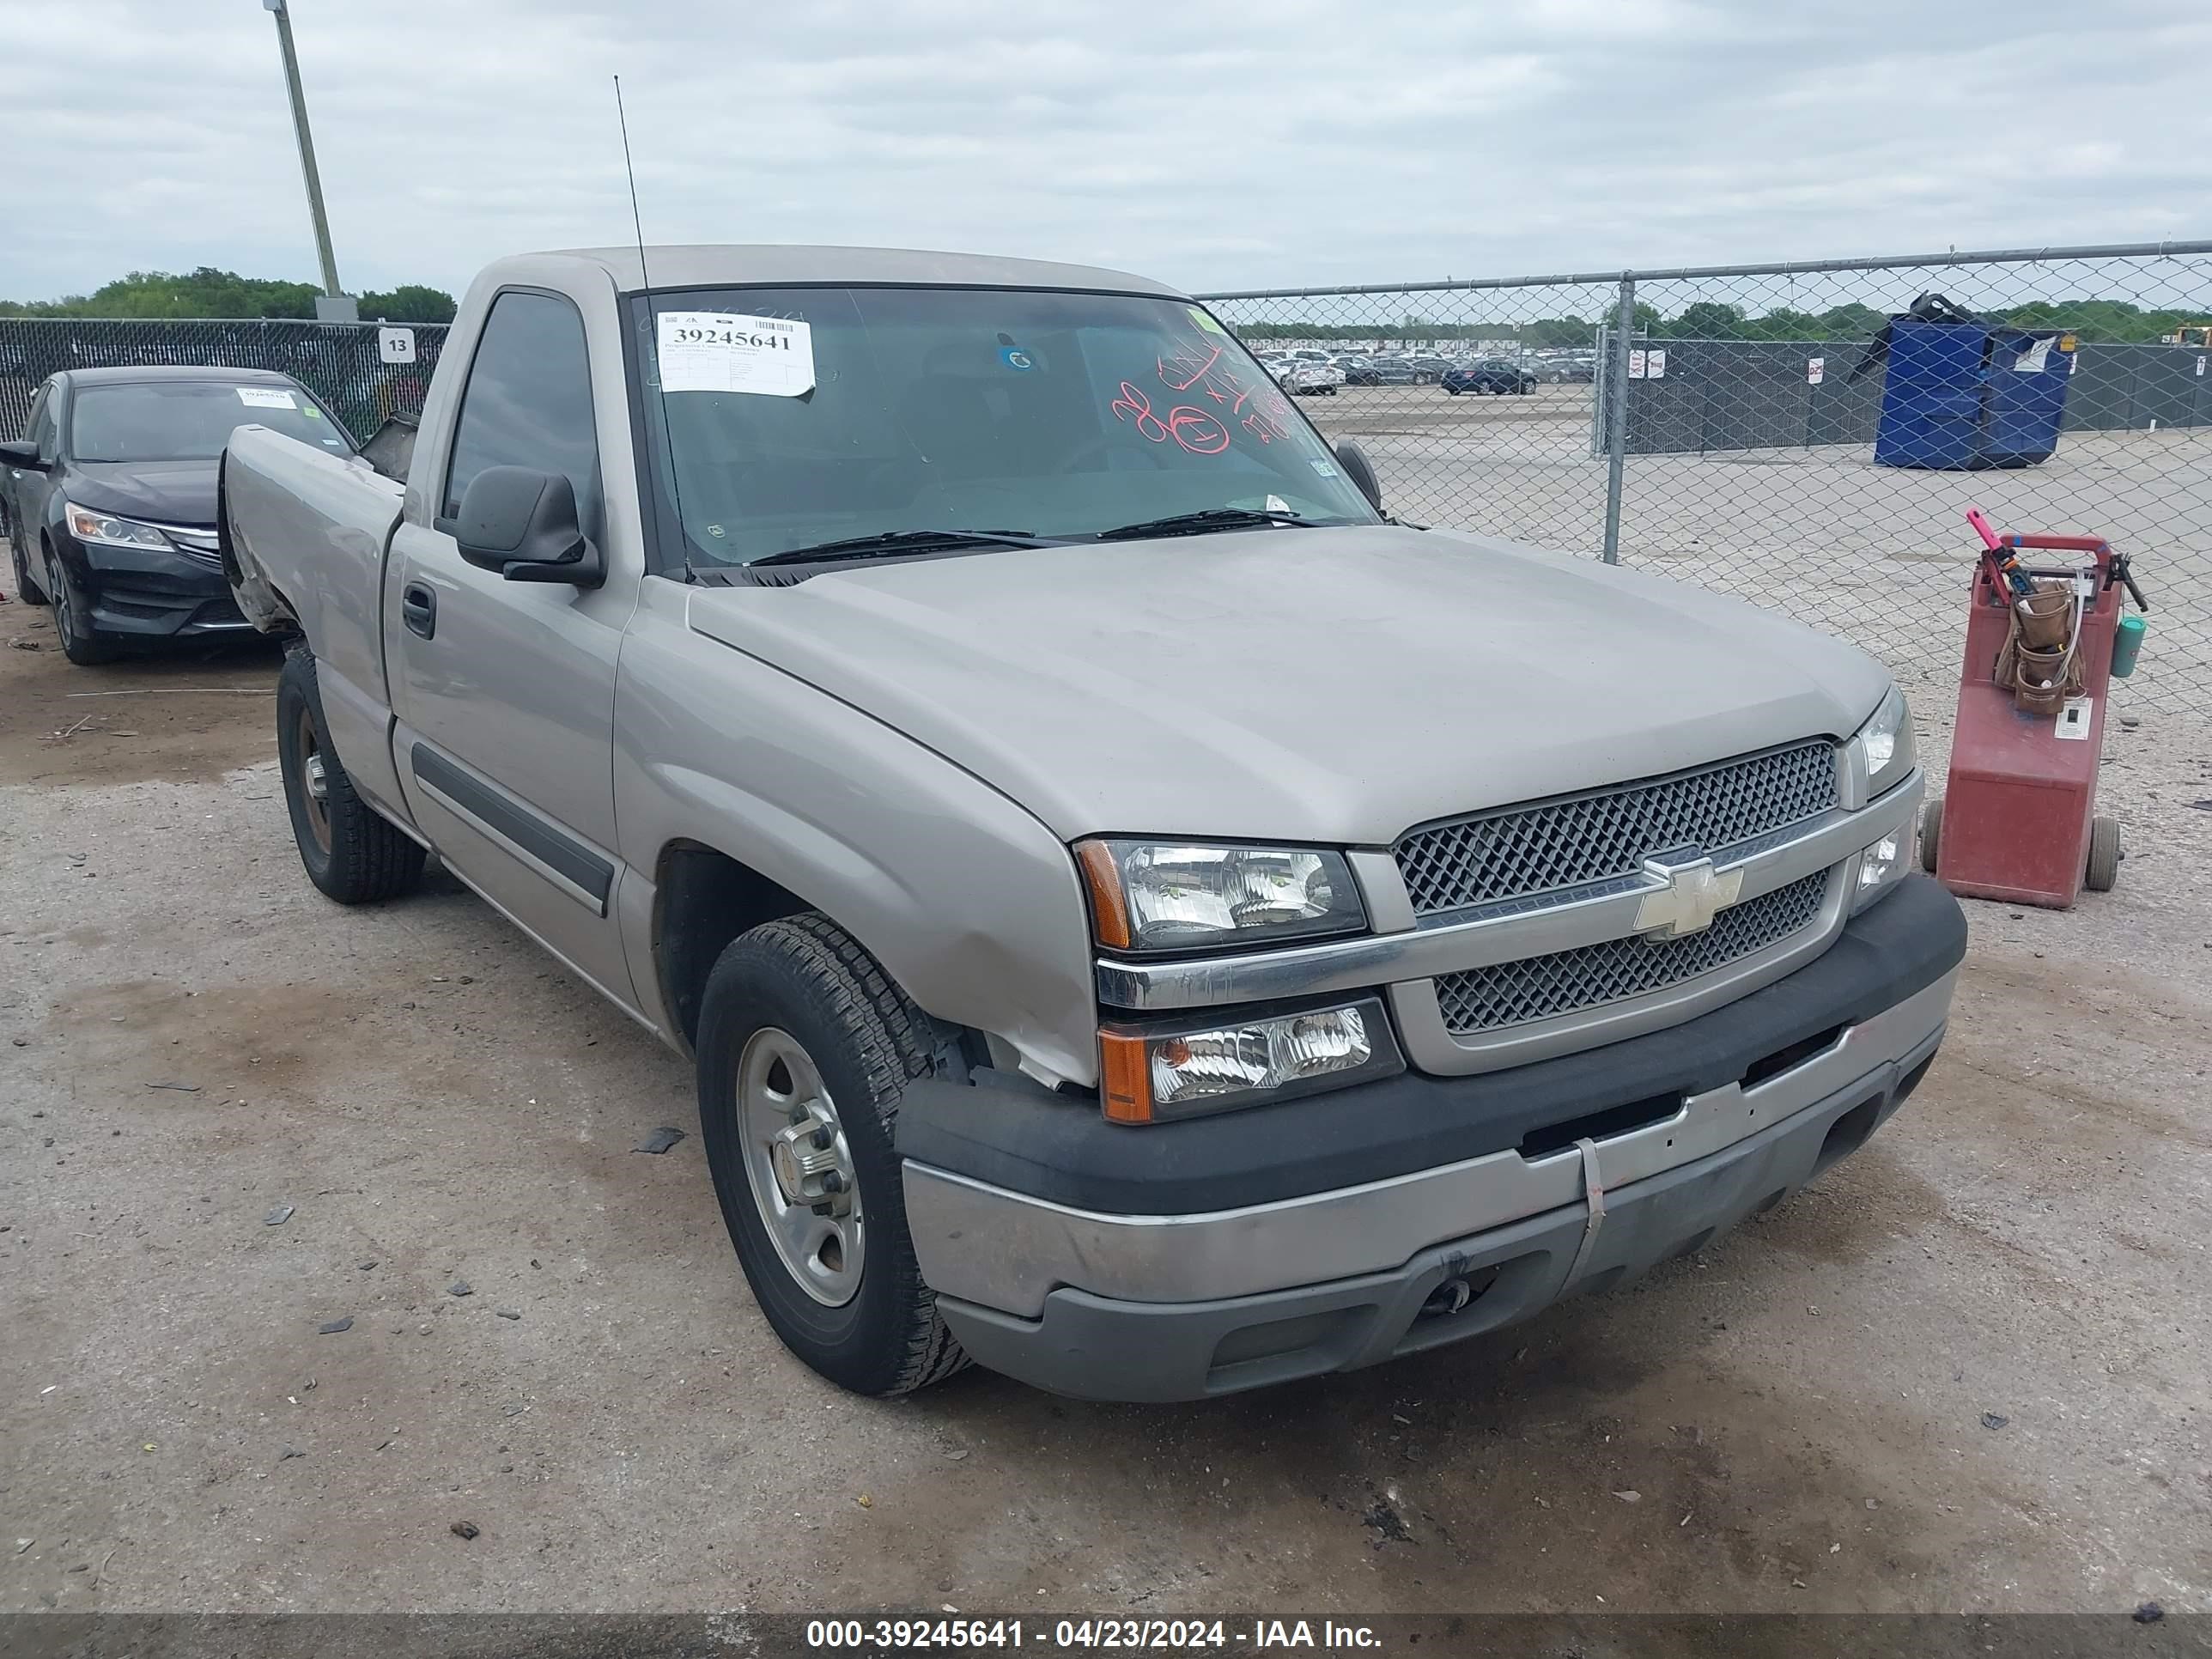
(1260, 142)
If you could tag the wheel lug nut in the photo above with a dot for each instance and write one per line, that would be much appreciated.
(833, 1182)
(822, 1141)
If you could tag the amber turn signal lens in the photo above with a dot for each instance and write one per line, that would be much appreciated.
(1110, 912)
(1125, 1087)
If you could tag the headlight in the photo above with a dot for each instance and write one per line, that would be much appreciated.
(1880, 867)
(1886, 742)
(1166, 896)
(87, 525)
(1148, 1076)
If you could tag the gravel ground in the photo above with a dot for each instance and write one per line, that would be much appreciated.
(1966, 1370)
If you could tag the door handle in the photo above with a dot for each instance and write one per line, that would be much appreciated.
(418, 609)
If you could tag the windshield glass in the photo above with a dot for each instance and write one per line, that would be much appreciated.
(189, 420)
(888, 409)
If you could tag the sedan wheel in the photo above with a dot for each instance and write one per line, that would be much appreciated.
(79, 643)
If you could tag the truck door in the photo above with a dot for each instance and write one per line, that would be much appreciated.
(505, 690)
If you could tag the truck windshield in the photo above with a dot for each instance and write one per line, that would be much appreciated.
(799, 417)
(189, 420)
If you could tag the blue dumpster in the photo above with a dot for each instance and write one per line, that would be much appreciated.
(1962, 395)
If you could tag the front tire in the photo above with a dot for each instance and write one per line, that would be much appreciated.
(804, 1048)
(73, 618)
(352, 852)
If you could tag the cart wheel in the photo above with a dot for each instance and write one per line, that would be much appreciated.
(1931, 832)
(2104, 855)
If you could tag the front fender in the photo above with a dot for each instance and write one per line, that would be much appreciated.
(966, 898)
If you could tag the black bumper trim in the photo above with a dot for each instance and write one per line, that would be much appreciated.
(1013, 1134)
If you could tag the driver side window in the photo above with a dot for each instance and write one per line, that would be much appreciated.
(39, 428)
(528, 402)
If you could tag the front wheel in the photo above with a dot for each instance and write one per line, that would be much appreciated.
(350, 852)
(804, 1048)
(73, 618)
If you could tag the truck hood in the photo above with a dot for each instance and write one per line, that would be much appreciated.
(168, 492)
(1336, 685)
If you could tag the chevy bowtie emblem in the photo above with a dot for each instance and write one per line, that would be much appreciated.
(1693, 895)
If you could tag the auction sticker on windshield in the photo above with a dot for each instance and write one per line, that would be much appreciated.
(262, 397)
(721, 351)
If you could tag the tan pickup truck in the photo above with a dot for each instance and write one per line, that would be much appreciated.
(1143, 919)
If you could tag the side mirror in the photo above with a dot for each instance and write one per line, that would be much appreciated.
(22, 455)
(1361, 472)
(522, 523)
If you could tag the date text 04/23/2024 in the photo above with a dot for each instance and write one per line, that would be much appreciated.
(1158, 1635)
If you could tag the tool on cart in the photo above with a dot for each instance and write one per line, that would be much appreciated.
(2044, 640)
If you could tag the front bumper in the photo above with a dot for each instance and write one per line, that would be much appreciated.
(1171, 1300)
(148, 593)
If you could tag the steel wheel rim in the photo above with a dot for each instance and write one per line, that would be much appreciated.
(799, 1167)
(315, 779)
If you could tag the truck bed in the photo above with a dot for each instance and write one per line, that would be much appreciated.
(307, 534)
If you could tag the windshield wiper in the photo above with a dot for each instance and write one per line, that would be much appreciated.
(1198, 523)
(905, 541)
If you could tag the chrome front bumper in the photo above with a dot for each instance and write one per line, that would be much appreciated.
(1003, 1251)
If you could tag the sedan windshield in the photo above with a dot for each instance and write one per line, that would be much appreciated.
(189, 420)
(802, 416)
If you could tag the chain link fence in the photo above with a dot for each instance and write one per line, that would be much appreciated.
(366, 372)
(1772, 431)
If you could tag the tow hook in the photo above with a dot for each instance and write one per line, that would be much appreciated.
(1448, 1298)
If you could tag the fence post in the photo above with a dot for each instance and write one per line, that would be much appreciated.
(1616, 413)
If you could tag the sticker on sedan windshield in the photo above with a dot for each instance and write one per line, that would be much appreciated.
(266, 397)
(723, 351)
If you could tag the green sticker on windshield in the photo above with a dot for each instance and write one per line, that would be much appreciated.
(1204, 319)
(312, 412)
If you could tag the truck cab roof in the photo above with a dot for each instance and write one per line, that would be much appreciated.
(783, 265)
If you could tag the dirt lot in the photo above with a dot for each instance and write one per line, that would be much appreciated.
(1966, 1370)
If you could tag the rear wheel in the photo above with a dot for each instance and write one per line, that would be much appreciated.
(1451, 390)
(352, 853)
(27, 587)
(73, 618)
(804, 1048)
(2104, 868)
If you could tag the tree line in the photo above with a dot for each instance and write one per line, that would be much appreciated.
(2110, 322)
(208, 292)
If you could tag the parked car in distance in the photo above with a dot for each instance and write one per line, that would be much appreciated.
(1311, 377)
(109, 497)
(1493, 374)
(1576, 367)
(1377, 371)
(1429, 367)
(1098, 953)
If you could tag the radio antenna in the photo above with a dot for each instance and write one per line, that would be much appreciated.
(645, 275)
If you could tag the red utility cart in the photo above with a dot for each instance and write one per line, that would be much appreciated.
(2017, 820)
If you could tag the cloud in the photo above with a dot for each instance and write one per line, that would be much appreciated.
(1209, 144)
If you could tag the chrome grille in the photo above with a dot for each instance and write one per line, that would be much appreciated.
(1519, 850)
(1567, 982)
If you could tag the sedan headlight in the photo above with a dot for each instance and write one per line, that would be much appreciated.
(87, 525)
(1168, 895)
(1885, 742)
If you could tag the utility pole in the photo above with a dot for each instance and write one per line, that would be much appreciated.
(331, 288)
